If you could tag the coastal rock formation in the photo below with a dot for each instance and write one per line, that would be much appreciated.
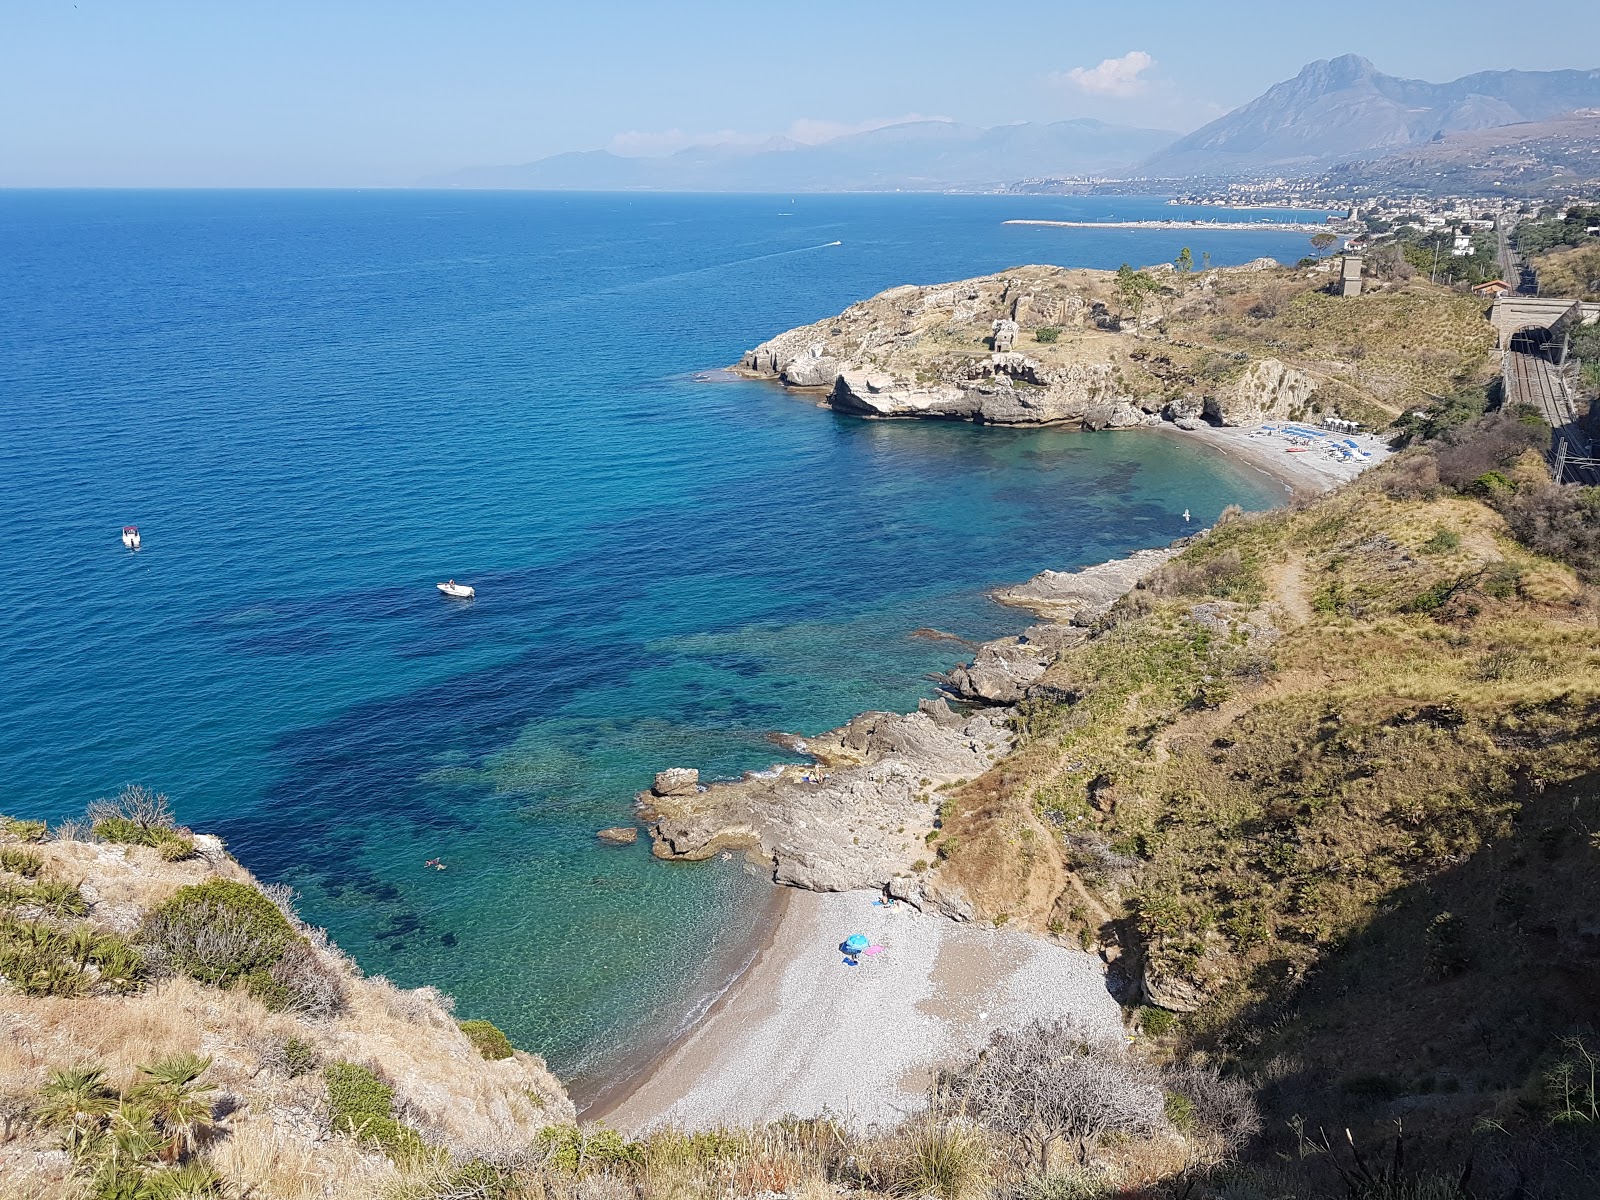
(1082, 597)
(1002, 670)
(619, 835)
(676, 781)
(857, 819)
(1030, 346)
(1267, 390)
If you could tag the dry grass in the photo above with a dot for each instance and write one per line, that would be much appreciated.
(1248, 803)
(273, 1142)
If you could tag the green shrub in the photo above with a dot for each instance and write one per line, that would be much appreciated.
(20, 862)
(1570, 1088)
(24, 831)
(218, 932)
(943, 1161)
(1157, 1022)
(361, 1106)
(137, 817)
(1491, 484)
(488, 1040)
(59, 898)
(576, 1150)
(1442, 542)
(176, 848)
(1180, 1111)
(1047, 335)
(299, 1056)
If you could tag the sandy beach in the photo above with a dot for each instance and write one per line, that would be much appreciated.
(1314, 471)
(801, 1032)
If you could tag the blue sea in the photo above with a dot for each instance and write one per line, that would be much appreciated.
(315, 405)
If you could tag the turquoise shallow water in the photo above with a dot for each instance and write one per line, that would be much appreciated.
(315, 405)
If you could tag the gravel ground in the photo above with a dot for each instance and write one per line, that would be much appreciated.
(801, 1033)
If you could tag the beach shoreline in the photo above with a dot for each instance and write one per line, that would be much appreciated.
(686, 1077)
(1312, 471)
(802, 1033)
(597, 1093)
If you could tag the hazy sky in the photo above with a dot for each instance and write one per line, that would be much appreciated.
(381, 92)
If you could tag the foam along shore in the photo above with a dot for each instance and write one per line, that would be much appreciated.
(1207, 226)
(801, 1032)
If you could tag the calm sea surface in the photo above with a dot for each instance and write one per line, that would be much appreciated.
(316, 405)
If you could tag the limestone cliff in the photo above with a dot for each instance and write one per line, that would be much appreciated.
(1043, 345)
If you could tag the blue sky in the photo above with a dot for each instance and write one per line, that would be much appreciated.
(369, 93)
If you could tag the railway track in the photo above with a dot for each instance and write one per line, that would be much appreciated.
(1533, 380)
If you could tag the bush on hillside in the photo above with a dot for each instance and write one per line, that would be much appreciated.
(225, 933)
(361, 1106)
(23, 831)
(1050, 1082)
(20, 862)
(1488, 443)
(1560, 522)
(488, 1040)
(138, 817)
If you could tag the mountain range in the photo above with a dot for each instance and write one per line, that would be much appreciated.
(1342, 109)
(1334, 111)
(911, 156)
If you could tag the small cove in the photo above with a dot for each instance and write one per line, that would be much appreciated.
(317, 404)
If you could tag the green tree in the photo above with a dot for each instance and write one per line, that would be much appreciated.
(1323, 242)
(1185, 265)
(1134, 289)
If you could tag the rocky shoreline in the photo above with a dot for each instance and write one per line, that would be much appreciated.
(861, 813)
(954, 352)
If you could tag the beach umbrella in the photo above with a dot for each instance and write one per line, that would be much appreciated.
(856, 943)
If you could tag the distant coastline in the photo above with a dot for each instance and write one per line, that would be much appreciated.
(1207, 226)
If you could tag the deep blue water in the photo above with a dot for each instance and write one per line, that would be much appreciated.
(315, 405)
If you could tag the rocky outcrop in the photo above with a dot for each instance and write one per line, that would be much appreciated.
(676, 781)
(619, 835)
(857, 818)
(1082, 597)
(1002, 671)
(1268, 390)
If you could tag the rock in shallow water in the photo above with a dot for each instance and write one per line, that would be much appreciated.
(619, 835)
(677, 781)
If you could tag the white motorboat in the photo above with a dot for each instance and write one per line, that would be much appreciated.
(459, 591)
(130, 536)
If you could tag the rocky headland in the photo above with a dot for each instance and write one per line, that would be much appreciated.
(1036, 345)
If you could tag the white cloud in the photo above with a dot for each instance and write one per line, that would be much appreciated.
(808, 131)
(1115, 77)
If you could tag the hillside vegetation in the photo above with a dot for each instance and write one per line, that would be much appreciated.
(171, 1029)
(1325, 791)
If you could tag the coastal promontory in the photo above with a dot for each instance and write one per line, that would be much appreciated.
(1043, 345)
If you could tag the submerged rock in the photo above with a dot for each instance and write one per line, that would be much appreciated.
(619, 835)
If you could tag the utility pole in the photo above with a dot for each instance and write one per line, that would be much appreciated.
(1433, 275)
